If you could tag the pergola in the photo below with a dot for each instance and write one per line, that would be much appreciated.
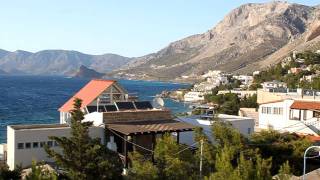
(137, 134)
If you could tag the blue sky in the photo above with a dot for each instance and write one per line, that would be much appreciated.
(125, 27)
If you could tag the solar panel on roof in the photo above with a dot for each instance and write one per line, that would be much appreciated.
(92, 109)
(143, 105)
(125, 106)
(111, 108)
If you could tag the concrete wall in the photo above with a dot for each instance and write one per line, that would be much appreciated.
(25, 156)
(266, 96)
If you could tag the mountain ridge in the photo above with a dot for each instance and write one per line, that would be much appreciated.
(57, 62)
(247, 34)
(250, 37)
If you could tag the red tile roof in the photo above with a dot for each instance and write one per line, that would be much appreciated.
(88, 93)
(305, 105)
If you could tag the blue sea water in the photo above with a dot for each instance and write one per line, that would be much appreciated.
(35, 99)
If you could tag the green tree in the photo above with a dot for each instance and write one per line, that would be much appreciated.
(304, 84)
(6, 173)
(284, 172)
(255, 86)
(230, 165)
(315, 84)
(249, 102)
(39, 172)
(272, 144)
(141, 168)
(223, 167)
(83, 157)
(170, 163)
(225, 135)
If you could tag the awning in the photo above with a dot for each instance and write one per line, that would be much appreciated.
(142, 127)
(305, 105)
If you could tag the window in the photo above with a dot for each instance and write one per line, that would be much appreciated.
(20, 145)
(281, 110)
(249, 130)
(28, 145)
(50, 143)
(35, 144)
(264, 110)
(277, 110)
(268, 110)
(42, 143)
(55, 143)
(316, 114)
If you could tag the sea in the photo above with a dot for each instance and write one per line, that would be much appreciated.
(36, 99)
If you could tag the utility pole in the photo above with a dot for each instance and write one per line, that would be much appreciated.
(305, 159)
(201, 153)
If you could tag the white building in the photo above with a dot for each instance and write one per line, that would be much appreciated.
(211, 73)
(97, 93)
(194, 96)
(255, 73)
(244, 79)
(25, 142)
(217, 80)
(240, 93)
(244, 125)
(211, 82)
(288, 115)
(273, 84)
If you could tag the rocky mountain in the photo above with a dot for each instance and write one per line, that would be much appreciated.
(243, 40)
(57, 62)
(85, 72)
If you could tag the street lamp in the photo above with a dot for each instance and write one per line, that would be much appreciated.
(305, 158)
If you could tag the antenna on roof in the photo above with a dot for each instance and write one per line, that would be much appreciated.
(158, 103)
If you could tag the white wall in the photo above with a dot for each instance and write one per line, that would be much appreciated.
(64, 117)
(276, 121)
(242, 124)
(284, 122)
(11, 151)
(25, 156)
(2, 152)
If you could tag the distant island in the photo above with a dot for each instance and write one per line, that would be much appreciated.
(85, 72)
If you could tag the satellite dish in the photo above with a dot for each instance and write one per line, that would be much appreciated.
(157, 102)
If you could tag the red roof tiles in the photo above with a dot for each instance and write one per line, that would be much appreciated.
(88, 93)
(305, 105)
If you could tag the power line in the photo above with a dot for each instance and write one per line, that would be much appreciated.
(191, 146)
(131, 142)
